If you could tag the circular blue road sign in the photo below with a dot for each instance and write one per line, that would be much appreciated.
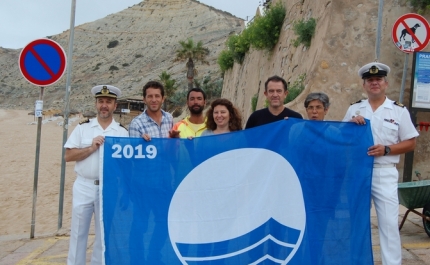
(42, 62)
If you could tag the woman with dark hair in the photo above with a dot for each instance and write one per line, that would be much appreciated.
(222, 117)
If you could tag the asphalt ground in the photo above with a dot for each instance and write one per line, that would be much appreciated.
(52, 249)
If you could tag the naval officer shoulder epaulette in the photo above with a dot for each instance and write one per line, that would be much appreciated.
(86, 120)
(399, 104)
(123, 126)
(356, 102)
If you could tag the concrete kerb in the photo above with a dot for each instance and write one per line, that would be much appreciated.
(53, 248)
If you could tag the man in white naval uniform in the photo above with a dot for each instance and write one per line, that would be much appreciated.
(393, 134)
(83, 147)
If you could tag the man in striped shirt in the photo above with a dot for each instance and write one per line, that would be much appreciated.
(152, 123)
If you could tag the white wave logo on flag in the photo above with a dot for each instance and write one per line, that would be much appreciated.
(234, 209)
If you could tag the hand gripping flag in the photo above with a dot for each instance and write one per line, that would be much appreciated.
(290, 192)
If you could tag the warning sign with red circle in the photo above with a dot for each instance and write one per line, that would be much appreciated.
(411, 33)
(42, 62)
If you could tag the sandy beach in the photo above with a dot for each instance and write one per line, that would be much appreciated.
(18, 144)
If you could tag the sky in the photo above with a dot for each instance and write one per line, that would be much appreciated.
(22, 21)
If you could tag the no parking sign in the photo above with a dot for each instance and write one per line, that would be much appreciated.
(411, 33)
(42, 62)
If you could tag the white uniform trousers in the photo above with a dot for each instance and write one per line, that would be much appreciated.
(384, 195)
(85, 203)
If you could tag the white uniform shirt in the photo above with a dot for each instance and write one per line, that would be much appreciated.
(82, 136)
(390, 124)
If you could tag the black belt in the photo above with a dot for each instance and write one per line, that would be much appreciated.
(96, 182)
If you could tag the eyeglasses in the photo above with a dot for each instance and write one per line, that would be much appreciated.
(312, 108)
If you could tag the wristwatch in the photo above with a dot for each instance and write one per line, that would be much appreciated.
(387, 150)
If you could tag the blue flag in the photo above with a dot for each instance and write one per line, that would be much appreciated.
(290, 192)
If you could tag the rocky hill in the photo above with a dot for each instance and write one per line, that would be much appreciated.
(148, 34)
(125, 49)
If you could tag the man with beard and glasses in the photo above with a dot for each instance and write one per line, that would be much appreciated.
(195, 124)
(83, 147)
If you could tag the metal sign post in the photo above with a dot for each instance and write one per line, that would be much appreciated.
(66, 115)
(379, 30)
(42, 62)
(38, 113)
(405, 70)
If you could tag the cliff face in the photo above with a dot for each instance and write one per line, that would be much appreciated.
(345, 40)
(148, 35)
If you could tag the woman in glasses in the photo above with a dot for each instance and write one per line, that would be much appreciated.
(317, 105)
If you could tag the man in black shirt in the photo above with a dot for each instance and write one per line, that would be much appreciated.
(275, 90)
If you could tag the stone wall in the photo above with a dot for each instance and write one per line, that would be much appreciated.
(345, 40)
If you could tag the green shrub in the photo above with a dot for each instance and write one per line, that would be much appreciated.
(113, 68)
(420, 5)
(254, 101)
(179, 99)
(225, 60)
(305, 30)
(264, 31)
(295, 89)
(113, 44)
(239, 45)
(212, 88)
(97, 67)
(170, 88)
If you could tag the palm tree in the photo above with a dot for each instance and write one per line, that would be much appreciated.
(169, 87)
(190, 52)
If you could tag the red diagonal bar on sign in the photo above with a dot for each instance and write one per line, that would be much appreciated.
(411, 33)
(41, 61)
